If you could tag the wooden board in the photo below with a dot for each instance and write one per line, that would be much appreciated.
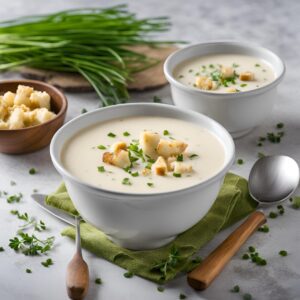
(148, 79)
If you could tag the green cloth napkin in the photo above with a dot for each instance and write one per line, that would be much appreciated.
(163, 264)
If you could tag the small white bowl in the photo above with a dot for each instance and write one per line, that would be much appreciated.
(141, 221)
(240, 112)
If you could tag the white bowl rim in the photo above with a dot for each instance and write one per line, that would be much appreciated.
(107, 192)
(169, 74)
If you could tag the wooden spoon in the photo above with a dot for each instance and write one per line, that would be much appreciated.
(77, 279)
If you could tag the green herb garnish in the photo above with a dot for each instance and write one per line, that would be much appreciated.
(160, 288)
(150, 184)
(101, 147)
(83, 111)
(260, 155)
(279, 125)
(240, 161)
(166, 132)
(28, 271)
(283, 253)
(251, 249)
(1, 249)
(111, 134)
(180, 76)
(257, 65)
(211, 66)
(98, 281)
(247, 296)
(264, 228)
(193, 156)
(101, 169)
(126, 133)
(179, 157)
(176, 174)
(12, 183)
(30, 244)
(32, 171)
(235, 289)
(243, 85)
(234, 65)
(157, 99)
(245, 256)
(295, 202)
(182, 296)
(126, 181)
(273, 215)
(14, 198)
(48, 262)
(128, 274)
(135, 174)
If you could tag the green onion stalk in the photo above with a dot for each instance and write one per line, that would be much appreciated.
(96, 43)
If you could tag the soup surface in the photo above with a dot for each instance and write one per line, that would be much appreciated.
(84, 155)
(226, 73)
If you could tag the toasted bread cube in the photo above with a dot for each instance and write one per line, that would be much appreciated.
(148, 143)
(205, 83)
(3, 125)
(8, 99)
(247, 76)
(22, 95)
(170, 148)
(160, 166)
(40, 100)
(121, 159)
(43, 115)
(227, 72)
(116, 147)
(107, 158)
(30, 118)
(16, 119)
(170, 161)
(232, 90)
(3, 112)
(180, 167)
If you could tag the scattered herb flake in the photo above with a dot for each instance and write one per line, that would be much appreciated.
(157, 99)
(28, 271)
(211, 66)
(240, 161)
(83, 111)
(260, 155)
(182, 296)
(14, 198)
(101, 169)
(295, 202)
(126, 133)
(176, 174)
(12, 183)
(235, 289)
(247, 296)
(98, 281)
(179, 157)
(243, 85)
(1, 249)
(160, 288)
(101, 147)
(111, 134)
(48, 262)
(273, 215)
(135, 174)
(128, 274)
(166, 132)
(251, 249)
(264, 228)
(150, 184)
(180, 76)
(257, 65)
(234, 65)
(126, 181)
(32, 171)
(245, 256)
(283, 253)
(259, 144)
(279, 125)
(192, 156)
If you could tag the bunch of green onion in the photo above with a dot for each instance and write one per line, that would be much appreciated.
(96, 43)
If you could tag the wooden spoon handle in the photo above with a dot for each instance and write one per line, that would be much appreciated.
(202, 276)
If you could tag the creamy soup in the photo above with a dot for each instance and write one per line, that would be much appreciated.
(164, 155)
(226, 73)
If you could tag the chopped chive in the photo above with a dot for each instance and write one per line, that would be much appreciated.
(126, 133)
(160, 288)
(251, 249)
(190, 70)
(193, 156)
(101, 147)
(264, 228)
(179, 157)
(211, 66)
(156, 99)
(273, 215)
(180, 76)
(83, 111)
(1, 249)
(166, 132)
(48, 262)
(247, 296)
(28, 271)
(235, 289)
(279, 125)
(101, 169)
(128, 274)
(262, 139)
(126, 181)
(98, 281)
(32, 171)
(295, 202)
(243, 84)
(112, 135)
(176, 174)
(259, 144)
(257, 65)
(135, 174)
(240, 161)
(150, 184)
(182, 296)
(283, 253)
(245, 256)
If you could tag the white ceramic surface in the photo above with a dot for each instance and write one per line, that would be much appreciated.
(142, 221)
(240, 112)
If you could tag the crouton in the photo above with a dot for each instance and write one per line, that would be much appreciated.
(22, 95)
(119, 159)
(107, 158)
(160, 166)
(246, 76)
(8, 99)
(180, 167)
(227, 72)
(148, 143)
(205, 83)
(3, 112)
(116, 147)
(16, 119)
(170, 148)
(170, 160)
(3, 125)
(43, 115)
(39, 100)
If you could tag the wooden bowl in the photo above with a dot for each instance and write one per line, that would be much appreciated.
(30, 139)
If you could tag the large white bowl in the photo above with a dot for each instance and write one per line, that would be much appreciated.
(240, 112)
(141, 221)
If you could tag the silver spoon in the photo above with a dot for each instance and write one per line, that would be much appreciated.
(272, 180)
(77, 279)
